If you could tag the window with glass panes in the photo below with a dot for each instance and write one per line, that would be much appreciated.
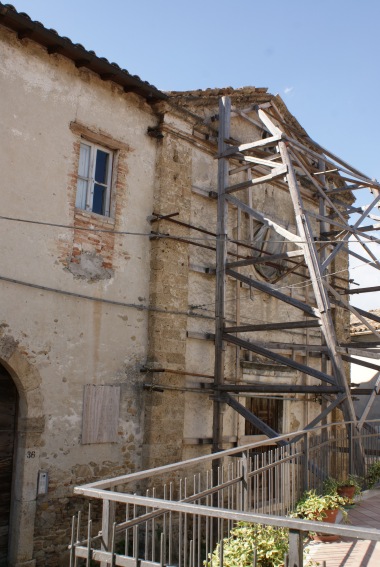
(94, 179)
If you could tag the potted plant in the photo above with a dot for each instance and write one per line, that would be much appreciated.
(271, 545)
(320, 507)
(373, 474)
(347, 488)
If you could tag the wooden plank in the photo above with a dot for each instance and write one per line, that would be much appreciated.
(263, 259)
(207, 193)
(330, 221)
(273, 326)
(221, 257)
(309, 348)
(333, 206)
(347, 236)
(370, 401)
(266, 221)
(325, 197)
(264, 388)
(360, 257)
(360, 229)
(375, 353)
(346, 188)
(306, 234)
(278, 172)
(316, 271)
(337, 299)
(259, 161)
(267, 288)
(355, 391)
(354, 173)
(251, 145)
(359, 362)
(361, 344)
(249, 119)
(100, 413)
(199, 335)
(325, 413)
(253, 347)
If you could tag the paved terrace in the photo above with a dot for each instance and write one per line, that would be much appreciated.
(352, 552)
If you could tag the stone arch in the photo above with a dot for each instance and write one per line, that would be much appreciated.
(30, 427)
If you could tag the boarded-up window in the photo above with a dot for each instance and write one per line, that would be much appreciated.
(100, 414)
(269, 410)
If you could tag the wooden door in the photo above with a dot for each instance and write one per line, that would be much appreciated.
(268, 410)
(8, 409)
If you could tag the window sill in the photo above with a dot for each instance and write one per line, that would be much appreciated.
(88, 216)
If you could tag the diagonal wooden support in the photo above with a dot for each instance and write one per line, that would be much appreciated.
(279, 358)
(267, 288)
(316, 271)
(249, 416)
(371, 399)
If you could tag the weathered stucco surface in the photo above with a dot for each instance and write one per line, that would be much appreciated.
(65, 340)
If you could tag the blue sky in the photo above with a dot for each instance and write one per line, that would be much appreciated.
(321, 56)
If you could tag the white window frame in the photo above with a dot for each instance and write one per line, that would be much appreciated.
(86, 179)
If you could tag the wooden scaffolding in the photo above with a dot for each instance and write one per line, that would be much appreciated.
(289, 159)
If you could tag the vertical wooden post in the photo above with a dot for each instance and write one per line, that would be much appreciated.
(295, 548)
(108, 518)
(323, 227)
(245, 481)
(305, 462)
(221, 254)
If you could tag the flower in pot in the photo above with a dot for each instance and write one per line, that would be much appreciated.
(373, 474)
(325, 508)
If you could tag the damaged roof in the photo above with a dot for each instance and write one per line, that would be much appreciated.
(358, 328)
(25, 27)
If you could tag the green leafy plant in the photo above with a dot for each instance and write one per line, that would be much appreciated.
(331, 485)
(312, 506)
(373, 474)
(270, 542)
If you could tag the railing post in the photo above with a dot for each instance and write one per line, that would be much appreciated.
(72, 546)
(245, 481)
(305, 462)
(108, 518)
(350, 431)
(295, 557)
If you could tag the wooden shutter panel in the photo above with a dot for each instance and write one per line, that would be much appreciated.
(100, 414)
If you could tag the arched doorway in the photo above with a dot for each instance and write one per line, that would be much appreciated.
(8, 419)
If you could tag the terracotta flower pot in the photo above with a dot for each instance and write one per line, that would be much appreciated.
(347, 492)
(330, 516)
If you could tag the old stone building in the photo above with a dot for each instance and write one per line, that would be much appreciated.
(108, 226)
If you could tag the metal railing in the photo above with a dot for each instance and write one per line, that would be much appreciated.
(177, 514)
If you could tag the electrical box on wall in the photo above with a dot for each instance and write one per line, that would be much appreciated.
(42, 482)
